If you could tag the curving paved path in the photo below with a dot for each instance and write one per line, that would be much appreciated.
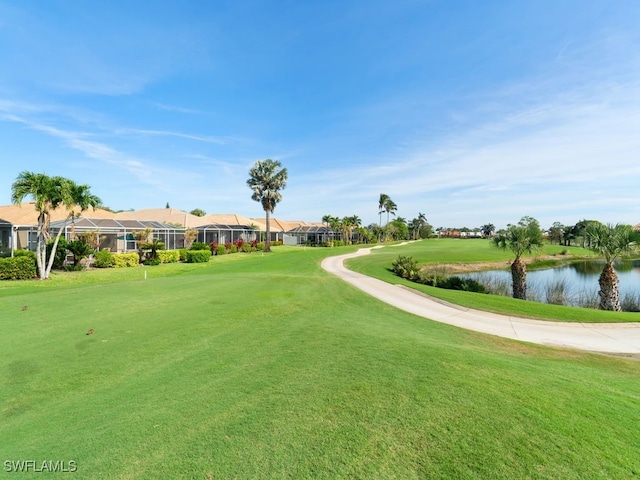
(595, 337)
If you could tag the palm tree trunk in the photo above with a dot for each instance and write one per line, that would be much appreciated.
(519, 278)
(267, 240)
(609, 292)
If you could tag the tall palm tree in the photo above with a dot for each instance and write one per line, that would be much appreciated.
(49, 193)
(611, 242)
(390, 207)
(266, 181)
(525, 237)
(381, 203)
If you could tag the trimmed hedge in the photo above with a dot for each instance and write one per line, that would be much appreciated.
(122, 260)
(198, 256)
(168, 256)
(17, 268)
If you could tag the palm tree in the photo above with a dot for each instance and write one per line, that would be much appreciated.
(390, 207)
(525, 237)
(50, 193)
(487, 229)
(349, 224)
(611, 242)
(266, 181)
(384, 198)
(414, 227)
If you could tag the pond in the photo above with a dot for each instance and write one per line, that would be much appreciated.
(575, 284)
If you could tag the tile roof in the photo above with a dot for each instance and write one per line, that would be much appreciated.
(165, 215)
(26, 214)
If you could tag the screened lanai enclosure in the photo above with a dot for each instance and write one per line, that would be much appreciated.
(313, 234)
(6, 238)
(222, 234)
(119, 235)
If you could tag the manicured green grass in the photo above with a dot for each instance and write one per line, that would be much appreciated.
(436, 251)
(267, 367)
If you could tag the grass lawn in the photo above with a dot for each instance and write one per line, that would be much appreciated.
(266, 367)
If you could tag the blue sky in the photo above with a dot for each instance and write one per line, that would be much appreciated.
(471, 112)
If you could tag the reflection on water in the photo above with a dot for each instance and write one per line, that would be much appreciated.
(579, 279)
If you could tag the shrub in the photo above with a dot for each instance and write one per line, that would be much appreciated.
(199, 246)
(104, 259)
(17, 268)
(199, 256)
(246, 247)
(260, 246)
(459, 283)
(213, 246)
(73, 268)
(233, 248)
(183, 254)
(239, 243)
(25, 253)
(122, 260)
(227, 245)
(61, 252)
(221, 250)
(405, 267)
(168, 256)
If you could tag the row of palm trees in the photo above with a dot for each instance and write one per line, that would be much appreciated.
(609, 241)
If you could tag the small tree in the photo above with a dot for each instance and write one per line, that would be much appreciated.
(198, 212)
(153, 246)
(525, 237)
(79, 249)
(611, 242)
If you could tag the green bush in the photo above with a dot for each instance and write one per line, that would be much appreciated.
(168, 256)
(199, 256)
(73, 268)
(246, 247)
(406, 267)
(221, 250)
(25, 253)
(183, 254)
(104, 259)
(233, 248)
(199, 246)
(122, 260)
(17, 268)
(260, 246)
(459, 283)
(61, 252)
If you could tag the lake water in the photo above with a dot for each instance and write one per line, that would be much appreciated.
(580, 280)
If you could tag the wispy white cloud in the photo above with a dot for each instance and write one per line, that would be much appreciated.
(165, 133)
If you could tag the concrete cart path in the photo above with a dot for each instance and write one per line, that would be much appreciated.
(595, 337)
